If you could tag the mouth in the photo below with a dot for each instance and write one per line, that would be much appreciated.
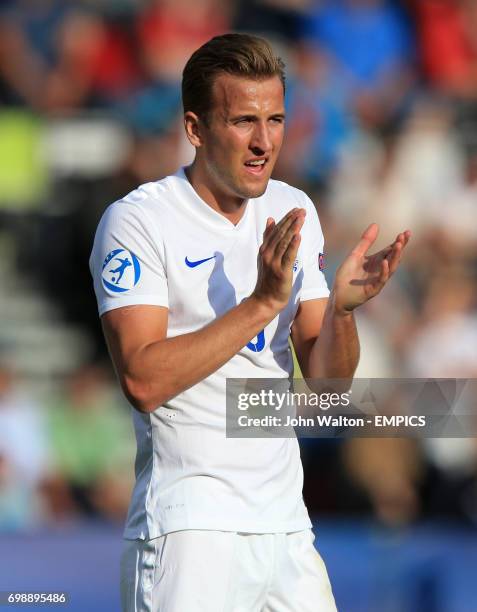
(256, 166)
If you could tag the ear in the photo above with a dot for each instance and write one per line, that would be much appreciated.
(193, 128)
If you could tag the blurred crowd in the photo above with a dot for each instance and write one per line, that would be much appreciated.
(381, 126)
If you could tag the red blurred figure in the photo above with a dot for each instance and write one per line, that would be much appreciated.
(448, 44)
(95, 64)
(170, 30)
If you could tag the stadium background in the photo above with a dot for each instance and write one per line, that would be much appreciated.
(381, 126)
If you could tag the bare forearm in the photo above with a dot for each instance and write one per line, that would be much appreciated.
(335, 353)
(162, 369)
(153, 368)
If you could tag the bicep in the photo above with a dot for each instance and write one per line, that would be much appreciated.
(130, 329)
(306, 329)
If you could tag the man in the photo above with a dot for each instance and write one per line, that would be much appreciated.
(225, 262)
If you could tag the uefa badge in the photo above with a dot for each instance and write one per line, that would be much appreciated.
(121, 271)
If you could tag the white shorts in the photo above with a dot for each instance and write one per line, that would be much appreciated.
(218, 571)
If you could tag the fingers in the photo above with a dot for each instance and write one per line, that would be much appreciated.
(385, 273)
(367, 239)
(394, 257)
(283, 229)
(276, 256)
(402, 238)
(405, 236)
(278, 238)
(395, 251)
(291, 252)
(269, 226)
(285, 247)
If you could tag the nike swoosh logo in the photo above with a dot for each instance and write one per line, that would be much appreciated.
(193, 264)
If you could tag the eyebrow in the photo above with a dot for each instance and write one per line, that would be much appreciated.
(253, 117)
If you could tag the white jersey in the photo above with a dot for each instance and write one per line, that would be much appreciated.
(163, 245)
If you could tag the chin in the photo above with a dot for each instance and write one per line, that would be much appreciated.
(254, 191)
(258, 192)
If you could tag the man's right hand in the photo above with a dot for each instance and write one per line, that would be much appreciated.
(151, 366)
(276, 257)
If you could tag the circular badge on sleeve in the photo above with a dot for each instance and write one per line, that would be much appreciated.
(121, 270)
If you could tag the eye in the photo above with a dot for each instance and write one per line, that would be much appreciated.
(243, 121)
(277, 120)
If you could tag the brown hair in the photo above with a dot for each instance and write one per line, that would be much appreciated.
(236, 54)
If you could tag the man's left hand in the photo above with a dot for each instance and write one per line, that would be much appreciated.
(361, 276)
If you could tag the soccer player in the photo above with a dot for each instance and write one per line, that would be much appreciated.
(224, 263)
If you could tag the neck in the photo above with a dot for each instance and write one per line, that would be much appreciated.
(230, 206)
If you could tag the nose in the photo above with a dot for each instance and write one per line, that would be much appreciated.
(261, 141)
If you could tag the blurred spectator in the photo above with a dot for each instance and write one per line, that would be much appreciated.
(92, 445)
(169, 31)
(65, 57)
(319, 118)
(24, 456)
(445, 345)
(448, 44)
(95, 64)
(27, 46)
(389, 470)
(280, 19)
(402, 181)
(371, 40)
(455, 218)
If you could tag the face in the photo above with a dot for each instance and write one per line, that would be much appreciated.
(240, 143)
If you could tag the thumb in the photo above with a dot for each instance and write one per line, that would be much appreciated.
(367, 239)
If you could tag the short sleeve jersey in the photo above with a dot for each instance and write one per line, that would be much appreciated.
(163, 245)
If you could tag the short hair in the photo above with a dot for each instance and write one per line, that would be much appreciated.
(242, 55)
